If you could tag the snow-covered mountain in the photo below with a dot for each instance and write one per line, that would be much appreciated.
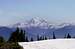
(39, 22)
(34, 22)
(39, 26)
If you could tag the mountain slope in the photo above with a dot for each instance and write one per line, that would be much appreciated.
(6, 31)
(61, 32)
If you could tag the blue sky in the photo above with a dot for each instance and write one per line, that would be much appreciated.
(56, 11)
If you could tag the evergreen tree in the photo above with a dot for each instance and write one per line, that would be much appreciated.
(38, 38)
(54, 36)
(68, 36)
(14, 36)
(65, 36)
(41, 38)
(17, 36)
(31, 39)
(22, 36)
(26, 39)
(2, 39)
(45, 38)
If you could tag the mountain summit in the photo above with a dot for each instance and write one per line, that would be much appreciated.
(34, 22)
(39, 22)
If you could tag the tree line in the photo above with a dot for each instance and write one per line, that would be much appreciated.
(19, 35)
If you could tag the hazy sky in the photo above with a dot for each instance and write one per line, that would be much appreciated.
(57, 11)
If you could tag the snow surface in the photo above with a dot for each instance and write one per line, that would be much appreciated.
(50, 44)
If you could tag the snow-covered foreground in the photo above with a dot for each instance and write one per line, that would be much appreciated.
(50, 44)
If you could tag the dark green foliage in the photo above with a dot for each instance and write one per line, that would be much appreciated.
(68, 36)
(45, 38)
(11, 46)
(6, 45)
(16, 46)
(31, 39)
(26, 39)
(17, 36)
(2, 39)
(14, 36)
(54, 36)
(41, 38)
(22, 36)
(65, 36)
(38, 38)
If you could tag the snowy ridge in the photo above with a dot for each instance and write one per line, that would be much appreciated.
(34, 22)
(62, 25)
(39, 22)
(50, 44)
